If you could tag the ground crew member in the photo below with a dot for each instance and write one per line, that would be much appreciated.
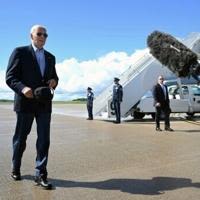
(90, 98)
(117, 99)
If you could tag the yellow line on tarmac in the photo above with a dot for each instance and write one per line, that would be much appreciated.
(190, 121)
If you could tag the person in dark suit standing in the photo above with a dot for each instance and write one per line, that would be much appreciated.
(161, 103)
(117, 99)
(90, 98)
(30, 67)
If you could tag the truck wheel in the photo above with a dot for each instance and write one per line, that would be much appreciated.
(190, 114)
(138, 115)
(153, 115)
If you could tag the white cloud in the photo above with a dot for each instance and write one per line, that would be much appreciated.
(2, 82)
(75, 76)
(5, 91)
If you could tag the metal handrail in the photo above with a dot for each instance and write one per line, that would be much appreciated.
(124, 78)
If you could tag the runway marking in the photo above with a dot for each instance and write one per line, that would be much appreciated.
(190, 121)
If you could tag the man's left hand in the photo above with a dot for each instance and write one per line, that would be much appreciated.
(52, 83)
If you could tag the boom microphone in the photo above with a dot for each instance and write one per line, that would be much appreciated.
(173, 54)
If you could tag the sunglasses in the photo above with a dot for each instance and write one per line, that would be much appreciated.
(40, 34)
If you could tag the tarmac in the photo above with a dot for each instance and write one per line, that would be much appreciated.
(100, 160)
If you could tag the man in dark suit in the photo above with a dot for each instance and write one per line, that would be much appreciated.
(30, 67)
(161, 103)
(117, 99)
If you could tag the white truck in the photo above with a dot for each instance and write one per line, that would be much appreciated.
(184, 98)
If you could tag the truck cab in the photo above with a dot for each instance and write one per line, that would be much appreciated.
(184, 98)
(191, 93)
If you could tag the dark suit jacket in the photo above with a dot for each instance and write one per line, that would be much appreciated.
(90, 98)
(117, 93)
(159, 96)
(23, 70)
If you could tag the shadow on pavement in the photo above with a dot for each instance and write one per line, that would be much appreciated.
(154, 186)
(188, 131)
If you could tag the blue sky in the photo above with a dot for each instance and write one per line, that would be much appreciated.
(89, 29)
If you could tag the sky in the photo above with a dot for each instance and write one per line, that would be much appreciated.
(93, 40)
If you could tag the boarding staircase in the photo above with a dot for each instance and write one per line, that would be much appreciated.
(136, 81)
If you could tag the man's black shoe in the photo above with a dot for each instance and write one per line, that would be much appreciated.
(116, 122)
(158, 129)
(169, 129)
(43, 182)
(16, 176)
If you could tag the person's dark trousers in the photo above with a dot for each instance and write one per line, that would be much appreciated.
(23, 128)
(117, 111)
(90, 115)
(166, 112)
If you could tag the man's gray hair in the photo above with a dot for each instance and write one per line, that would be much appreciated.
(34, 27)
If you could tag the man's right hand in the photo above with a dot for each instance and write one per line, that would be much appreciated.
(27, 91)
